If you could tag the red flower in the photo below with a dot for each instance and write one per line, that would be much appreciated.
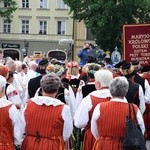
(15, 92)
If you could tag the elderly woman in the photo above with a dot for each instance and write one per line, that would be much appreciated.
(83, 115)
(48, 120)
(108, 120)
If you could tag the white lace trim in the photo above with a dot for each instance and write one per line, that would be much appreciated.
(119, 100)
(103, 93)
(40, 100)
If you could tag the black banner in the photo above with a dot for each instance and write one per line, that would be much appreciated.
(10, 45)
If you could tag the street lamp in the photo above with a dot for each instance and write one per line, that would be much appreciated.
(69, 42)
(26, 46)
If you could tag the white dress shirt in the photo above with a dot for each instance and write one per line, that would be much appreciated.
(142, 106)
(79, 95)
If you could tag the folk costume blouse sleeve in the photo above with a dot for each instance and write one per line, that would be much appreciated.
(81, 116)
(18, 124)
(68, 123)
(142, 100)
(70, 99)
(95, 116)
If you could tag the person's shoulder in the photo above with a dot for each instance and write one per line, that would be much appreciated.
(135, 85)
(35, 79)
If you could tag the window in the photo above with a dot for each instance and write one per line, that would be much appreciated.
(25, 26)
(43, 3)
(61, 27)
(14, 54)
(61, 5)
(58, 54)
(43, 27)
(6, 4)
(7, 26)
(25, 3)
(89, 35)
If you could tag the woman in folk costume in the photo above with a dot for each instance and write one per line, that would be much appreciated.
(72, 76)
(11, 123)
(108, 121)
(83, 115)
(89, 87)
(65, 92)
(146, 75)
(48, 120)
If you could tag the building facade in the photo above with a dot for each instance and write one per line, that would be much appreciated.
(37, 26)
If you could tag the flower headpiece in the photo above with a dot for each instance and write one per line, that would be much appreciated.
(72, 64)
(57, 69)
(50, 67)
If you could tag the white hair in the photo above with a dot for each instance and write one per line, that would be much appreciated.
(18, 66)
(18, 63)
(32, 65)
(11, 65)
(104, 77)
(2, 82)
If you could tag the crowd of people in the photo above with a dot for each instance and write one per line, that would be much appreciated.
(71, 106)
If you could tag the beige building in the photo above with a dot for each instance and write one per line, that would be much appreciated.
(40, 26)
(37, 27)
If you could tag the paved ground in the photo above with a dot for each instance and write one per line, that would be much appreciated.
(148, 145)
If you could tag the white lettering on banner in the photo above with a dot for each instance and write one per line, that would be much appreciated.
(140, 36)
(140, 46)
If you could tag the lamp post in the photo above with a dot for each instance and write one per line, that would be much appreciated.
(26, 46)
(69, 42)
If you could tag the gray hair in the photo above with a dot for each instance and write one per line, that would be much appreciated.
(50, 83)
(104, 77)
(11, 65)
(119, 87)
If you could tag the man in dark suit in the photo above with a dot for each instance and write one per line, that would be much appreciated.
(135, 93)
(34, 83)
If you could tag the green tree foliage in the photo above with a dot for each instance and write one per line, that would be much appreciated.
(106, 17)
(7, 7)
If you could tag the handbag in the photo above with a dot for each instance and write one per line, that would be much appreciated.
(134, 139)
